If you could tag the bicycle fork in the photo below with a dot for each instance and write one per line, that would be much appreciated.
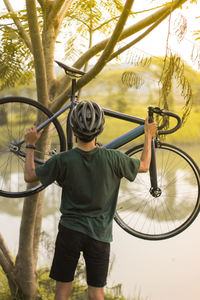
(155, 191)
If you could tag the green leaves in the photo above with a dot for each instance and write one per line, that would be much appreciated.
(16, 64)
(87, 18)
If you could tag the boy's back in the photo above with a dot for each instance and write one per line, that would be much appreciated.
(90, 182)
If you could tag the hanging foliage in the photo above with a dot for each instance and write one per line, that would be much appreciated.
(132, 79)
(180, 27)
(89, 18)
(173, 68)
(137, 58)
(195, 55)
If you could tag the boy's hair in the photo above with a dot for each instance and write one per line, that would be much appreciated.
(87, 120)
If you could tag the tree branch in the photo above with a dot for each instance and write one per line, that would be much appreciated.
(64, 9)
(9, 270)
(132, 13)
(57, 14)
(128, 32)
(155, 17)
(42, 3)
(105, 23)
(73, 17)
(139, 38)
(20, 27)
(101, 45)
(106, 53)
(7, 264)
(56, 7)
(111, 43)
(5, 257)
(38, 53)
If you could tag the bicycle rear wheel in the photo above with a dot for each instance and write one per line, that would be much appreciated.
(17, 114)
(162, 217)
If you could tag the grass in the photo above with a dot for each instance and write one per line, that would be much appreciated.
(4, 288)
(46, 289)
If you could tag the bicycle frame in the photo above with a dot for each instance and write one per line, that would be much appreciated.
(115, 144)
(129, 136)
(122, 140)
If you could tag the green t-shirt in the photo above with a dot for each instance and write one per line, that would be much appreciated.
(90, 184)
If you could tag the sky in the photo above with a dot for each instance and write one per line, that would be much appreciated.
(156, 42)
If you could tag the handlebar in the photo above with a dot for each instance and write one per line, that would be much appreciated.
(163, 112)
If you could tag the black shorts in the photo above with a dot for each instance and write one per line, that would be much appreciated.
(69, 244)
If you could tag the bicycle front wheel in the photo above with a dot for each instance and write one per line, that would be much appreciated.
(155, 218)
(17, 114)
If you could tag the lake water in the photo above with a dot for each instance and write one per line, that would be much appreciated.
(158, 270)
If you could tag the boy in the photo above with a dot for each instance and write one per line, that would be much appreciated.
(90, 178)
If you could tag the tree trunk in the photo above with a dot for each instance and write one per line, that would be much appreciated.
(22, 278)
(25, 262)
(8, 266)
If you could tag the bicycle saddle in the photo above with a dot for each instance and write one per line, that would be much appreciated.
(70, 70)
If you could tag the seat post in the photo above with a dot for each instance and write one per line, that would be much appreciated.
(73, 73)
(68, 126)
(73, 90)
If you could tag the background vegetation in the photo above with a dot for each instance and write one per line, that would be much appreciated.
(108, 90)
(46, 287)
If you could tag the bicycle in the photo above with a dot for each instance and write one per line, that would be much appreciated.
(165, 201)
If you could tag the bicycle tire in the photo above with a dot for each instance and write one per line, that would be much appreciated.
(151, 218)
(17, 114)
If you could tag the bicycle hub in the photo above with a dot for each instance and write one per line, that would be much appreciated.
(14, 148)
(155, 192)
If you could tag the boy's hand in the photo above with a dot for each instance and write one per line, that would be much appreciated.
(150, 129)
(32, 136)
